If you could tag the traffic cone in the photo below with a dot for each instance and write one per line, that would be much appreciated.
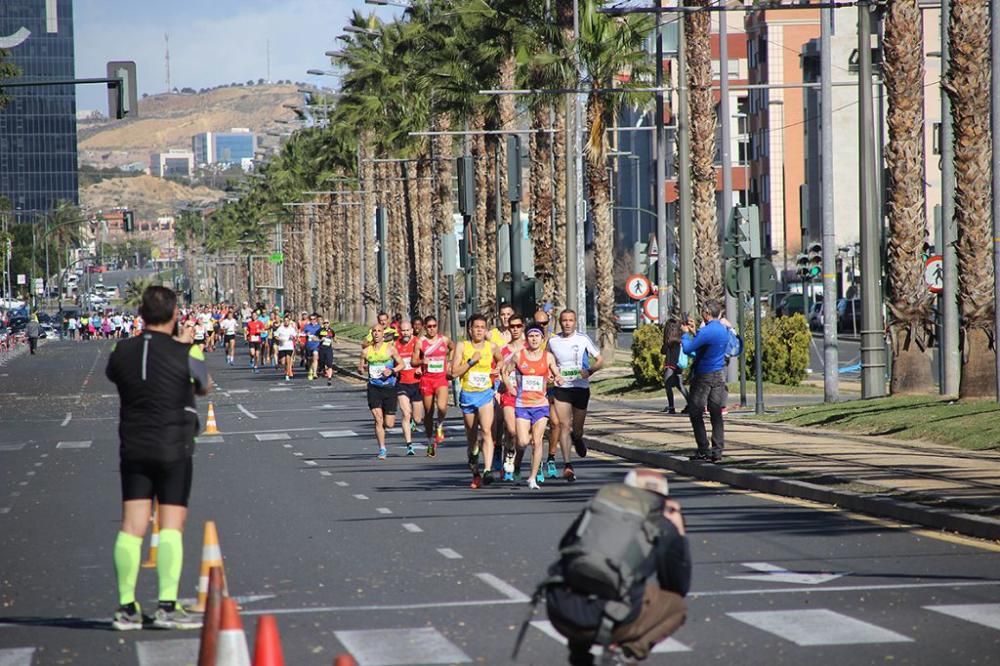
(208, 646)
(267, 646)
(154, 540)
(232, 646)
(211, 556)
(211, 427)
(344, 660)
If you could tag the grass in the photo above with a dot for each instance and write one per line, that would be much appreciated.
(970, 424)
(623, 388)
(775, 389)
(349, 330)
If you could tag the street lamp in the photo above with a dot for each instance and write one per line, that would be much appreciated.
(355, 30)
(322, 72)
(388, 3)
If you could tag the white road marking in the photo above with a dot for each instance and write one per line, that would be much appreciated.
(31, 472)
(360, 496)
(17, 656)
(337, 433)
(239, 390)
(818, 626)
(342, 484)
(22, 483)
(85, 444)
(311, 462)
(771, 573)
(246, 411)
(413, 528)
(287, 446)
(65, 421)
(384, 510)
(669, 645)
(38, 464)
(503, 588)
(987, 615)
(167, 652)
(11, 447)
(843, 588)
(109, 395)
(331, 407)
(5, 509)
(397, 647)
(280, 388)
(449, 553)
(209, 439)
(326, 473)
(271, 436)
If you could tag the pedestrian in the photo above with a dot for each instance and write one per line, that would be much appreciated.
(623, 571)
(157, 377)
(672, 370)
(708, 379)
(33, 330)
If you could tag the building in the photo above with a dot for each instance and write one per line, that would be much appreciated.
(174, 162)
(38, 161)
(232, 147)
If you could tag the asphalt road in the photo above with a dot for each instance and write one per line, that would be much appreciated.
(400, 562)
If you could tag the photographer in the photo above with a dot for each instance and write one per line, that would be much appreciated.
(708, 379)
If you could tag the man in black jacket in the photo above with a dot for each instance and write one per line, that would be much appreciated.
(657, 605)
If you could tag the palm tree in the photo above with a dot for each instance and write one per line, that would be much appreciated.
(968, 85)
(910, 301)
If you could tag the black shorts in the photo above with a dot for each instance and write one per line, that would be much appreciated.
(229, 338)
(255, 346)
(578, 397)
(382, 397)
(169, 483)
(411, 391)
(325, 358)
(285, 353)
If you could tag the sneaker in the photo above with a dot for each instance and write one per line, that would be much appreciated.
(413, 424)
(540, 478)
(431, 449)
(670, 410)
(439, 433)
(177, 618)
(569, 474)
(329, 382)
(699, 456)
(127, 618)
(715, 457)
(508, 476)
(477, 481)
(409, 450)
(550, 469)
(381, 453)
(287, 378)
(488, 477)
(579, 446)
(532, 484)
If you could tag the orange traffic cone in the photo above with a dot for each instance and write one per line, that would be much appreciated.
(232, 647)
(208, 645)
(211, 427)
(267, 648)
(344, 660)
(211, 556)
(154, 540)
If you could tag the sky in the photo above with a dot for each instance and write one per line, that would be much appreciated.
(212, 42)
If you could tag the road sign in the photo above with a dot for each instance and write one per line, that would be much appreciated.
(39, 286)
(277, 258)
(738, 278)
(22, 278)
(651, 308)
(653, 248)
(934, 273)
(638, 287)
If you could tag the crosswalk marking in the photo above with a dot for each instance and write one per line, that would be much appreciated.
(337, 433)
(412, 528)
(669, 645)
(209, 439)
(271, 436)
(987, 615)
(310, 462)
(169, 652)
(11, 447)
(239, 390)
(399, 647)
(361, 497)
(384, 510)
(326, 473)
(818, 627)
(450, 554)
(17, 656)
(85, 444)
(342, 484)
(280, 388)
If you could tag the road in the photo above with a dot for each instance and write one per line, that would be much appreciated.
(401, 563)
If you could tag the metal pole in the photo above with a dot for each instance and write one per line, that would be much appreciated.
(995, 127)
(664, 299)
(732, 371)
(949, 293)
(514, 227)
(581, 209)
(740, 318)
(497, 217)
(572, 277)
(758, 371)
(45, 281)
(452, 307)
(831, 360)
(383, 256)
(872, 336)
(686, 229)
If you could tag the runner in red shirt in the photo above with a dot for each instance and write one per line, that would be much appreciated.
(411, 405)
(254, 329)
(431, 356)
(511, 453)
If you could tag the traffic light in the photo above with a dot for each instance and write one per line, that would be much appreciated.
(513, 168)
(731, 245)
(466, 186)
(815, 260)
(128, 221)
(640, 257)
(749, 232)
(802, 265)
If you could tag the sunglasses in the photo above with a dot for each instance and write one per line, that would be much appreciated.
(517, 326)
(543, 323)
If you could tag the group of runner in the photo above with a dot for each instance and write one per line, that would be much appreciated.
(274, 340)
(535, 379)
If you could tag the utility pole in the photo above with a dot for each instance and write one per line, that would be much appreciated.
(572, 157)
(732, 370)
(949, 294)
(665, 297)
(831, 359)
(686, 229)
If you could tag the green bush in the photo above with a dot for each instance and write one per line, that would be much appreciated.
(786, 343)
(647, 359)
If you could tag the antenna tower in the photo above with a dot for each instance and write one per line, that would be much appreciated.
(166, 41)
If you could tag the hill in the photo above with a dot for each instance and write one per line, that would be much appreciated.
(150, 197)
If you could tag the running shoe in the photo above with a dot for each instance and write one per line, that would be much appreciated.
(569, 474)
(477, 481)
(409, 450)
(508, 476)
(431, 448)
(439, 433)
(413, 424)
(488, 477)
(177, 618)
(508, 463)
(579, 446)
(127, 618)
(329, 382)
(532, 484)
(287, 378)
(540, 478)
(381, 453)
(550, 469)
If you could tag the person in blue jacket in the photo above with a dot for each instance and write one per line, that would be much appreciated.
(708, 378)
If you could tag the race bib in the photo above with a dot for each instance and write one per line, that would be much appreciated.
(407, 363)
(479, 380)
(375, 370)
(327, 342)
(254, 338)
(534, 383)
(435, 365)
(570, 372)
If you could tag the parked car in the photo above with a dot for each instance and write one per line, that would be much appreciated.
(625, 316)
(849, 315)
(792, 304)
(97, 268)
(816, 316)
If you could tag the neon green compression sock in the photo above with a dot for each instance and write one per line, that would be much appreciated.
(169, 560)
(127, 555)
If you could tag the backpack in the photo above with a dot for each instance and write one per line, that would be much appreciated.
(734, 347)
(683, 360)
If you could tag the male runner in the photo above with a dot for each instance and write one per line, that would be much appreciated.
(382, 319)
(311, 330)
(408, 387)
(284, 335)
(473, 361)
(500, 334)
(157, 377)
(418, 327)
(380, 362)
(228, 327)
(508, 400)
(264, 355)
(326, 337)
(431, 356)
(254, 331)
(573, 352)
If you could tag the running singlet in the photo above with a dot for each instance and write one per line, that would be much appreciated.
(285, 335)
(228, 326)
(254, 329)
(531, 380)
(435, 356)
(571, 357)
(497, 337)
(378, 360)
(407, 374)
(478, 377)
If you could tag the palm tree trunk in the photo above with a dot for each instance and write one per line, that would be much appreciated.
(541, 201)
(411, 196)
(560, 144)
(367, 212)
(599, 184)
(441, 204)
(968, 85)
(425, 240)
(484, 227)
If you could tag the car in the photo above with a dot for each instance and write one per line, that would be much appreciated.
(849, 315)
(97, 268)
(816, 316)
(625, 316)
(792, 304)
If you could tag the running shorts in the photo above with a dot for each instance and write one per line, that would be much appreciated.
(532, 414)
(508, 399)
(578, 397)
(169, 483)
(382, 397)
(471, 401)
(429, 384)
(255, 346)
(411, 391)
(284, 353)
(229, 338)
(325, 358)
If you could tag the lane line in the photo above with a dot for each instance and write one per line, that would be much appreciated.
(503, 588)
(360, 496)
(210, 439)
(412, 528)
(326, 473)
(65, 421)
(167, 652)
(381, 608)
(384, 510)
(449, 553)
(85, 444)
(239, 390)
(342, 484)
(246, 411)
(845, 588)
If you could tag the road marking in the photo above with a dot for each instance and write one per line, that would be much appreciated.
(167, 652)
(65, 421)
(5, 509)
(771, 573)
(331, 407)
(296, 453)
(85, 444)
(326, 473)
(32, 472)
(11, 447)
(287, 446)
(38, 464)
(503, 588)
(384, 510)
(392, 647)
(109, 395)
(246, 411)
(280, 388)
(342, 484)
(449, 553)
(819, 626)
(413, 528)
(209, 439)
(22, 483)
(17, 656)
(360, 496)
(987, 615)
(239, 390)
(271, 436)
(337, 433)
(669, 645)
(844, 588)
(311, 462)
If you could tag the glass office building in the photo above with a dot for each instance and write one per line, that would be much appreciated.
(38, 163)
(227, 147)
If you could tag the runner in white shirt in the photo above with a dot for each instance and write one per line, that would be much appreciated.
(229, 326)
(285, 335)
(578, 358)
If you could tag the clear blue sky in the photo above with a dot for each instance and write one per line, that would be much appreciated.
(211, 41)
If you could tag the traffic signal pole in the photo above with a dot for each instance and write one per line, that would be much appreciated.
(831, 354)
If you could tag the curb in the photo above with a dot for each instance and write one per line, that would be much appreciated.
(883, 507)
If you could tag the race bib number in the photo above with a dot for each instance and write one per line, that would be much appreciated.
(535, 383)
(254, 338)
(480, 380)
(570, 372)
(435, 365)
(375, 370)
(327, 342)
(407, 363)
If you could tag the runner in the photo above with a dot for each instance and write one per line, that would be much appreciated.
(541, 319)
(408, 386)
(500, 335)
(303, 339)
(380, 362)
(431, 356)
(573, 351)
(264, 354)
(327, 336)
(200, 334)
(312, 345)
(511, 453)
(228, 327)
(254, 329)
(473, 361)
(382, 320)
(418, 327)
(526, 374)
(284, 335)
